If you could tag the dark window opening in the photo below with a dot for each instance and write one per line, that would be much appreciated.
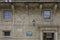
(6, 33)
(48, 36)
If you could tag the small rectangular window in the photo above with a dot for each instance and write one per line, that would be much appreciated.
(6, 33)
(47, 14)
(7, 14)
(28, 33)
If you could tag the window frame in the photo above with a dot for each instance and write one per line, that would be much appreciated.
(4, 15)
(49, 14)
(47, 20)
(7, 31)
(29, 34)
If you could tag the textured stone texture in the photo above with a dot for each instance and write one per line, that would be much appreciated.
(21, 22)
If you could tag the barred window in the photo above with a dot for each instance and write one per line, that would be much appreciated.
(6, 33)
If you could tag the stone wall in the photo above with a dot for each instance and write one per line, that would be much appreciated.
(21, 22)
